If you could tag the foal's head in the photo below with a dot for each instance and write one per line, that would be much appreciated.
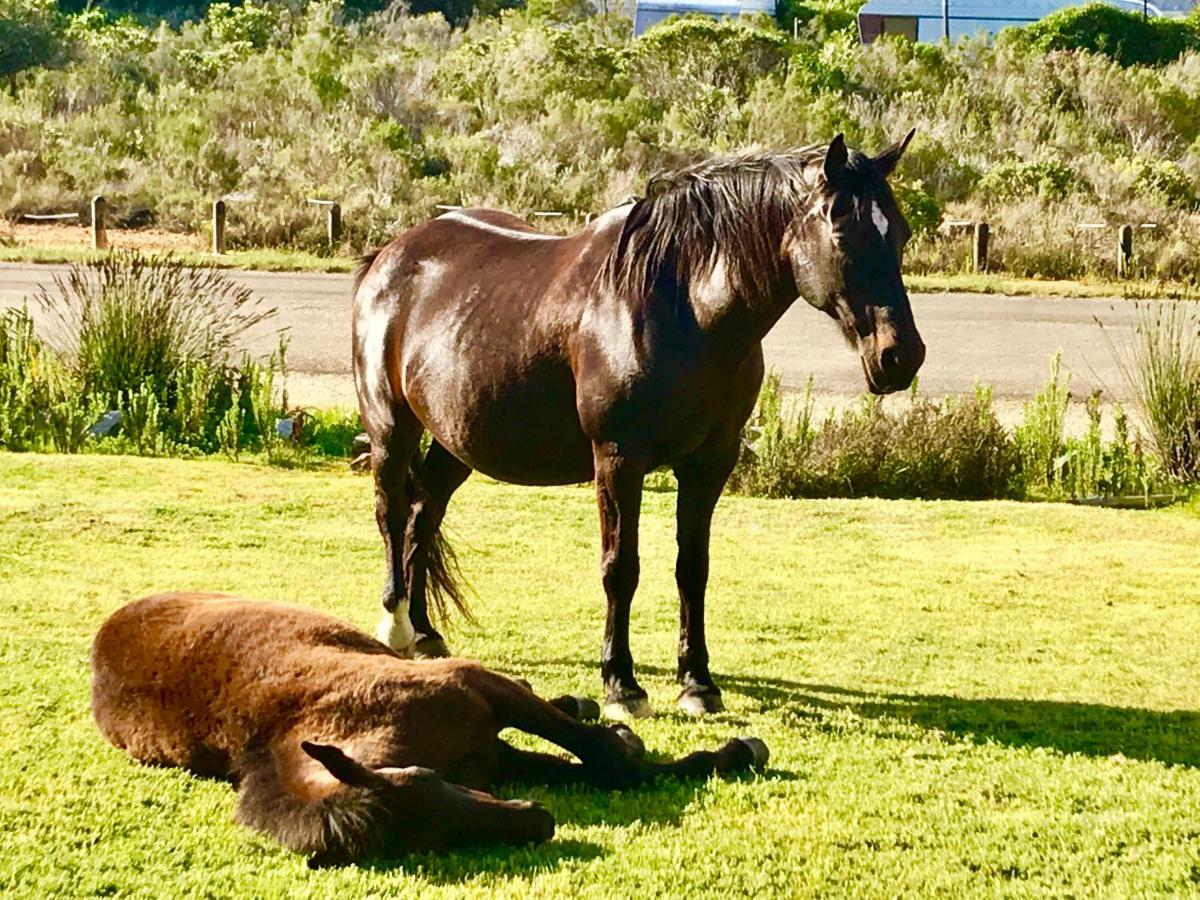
(380, 812)
(845, 248)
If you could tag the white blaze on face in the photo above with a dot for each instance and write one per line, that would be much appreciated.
(880, 220)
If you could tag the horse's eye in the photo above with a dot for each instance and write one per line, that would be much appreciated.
(842, 206)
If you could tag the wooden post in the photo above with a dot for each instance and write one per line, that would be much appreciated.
(99, 209)
(218, 227)
(1124, 250)
(979, 254)
(334, 225)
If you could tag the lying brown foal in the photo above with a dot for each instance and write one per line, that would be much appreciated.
(338, 746)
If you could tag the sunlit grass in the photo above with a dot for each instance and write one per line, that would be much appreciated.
(961, 699)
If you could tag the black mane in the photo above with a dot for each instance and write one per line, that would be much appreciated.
(737, 205)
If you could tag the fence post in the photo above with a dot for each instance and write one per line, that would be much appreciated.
(1124, 250)
(980, 251)
(218, 227)
(334, 224)
(99, 209)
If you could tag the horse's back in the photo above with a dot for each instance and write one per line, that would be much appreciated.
(467, 320)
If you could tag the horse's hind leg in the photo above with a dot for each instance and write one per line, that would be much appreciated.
(392, 451)
(425, 559)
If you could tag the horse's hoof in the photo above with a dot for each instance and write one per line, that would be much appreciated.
(701, 704)
(585, 709)
(628, 708)
(633, 744)
(759, 749)
(431, 648)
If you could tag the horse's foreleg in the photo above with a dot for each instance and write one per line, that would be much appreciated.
(619, 496)
(439, 476)
(391, 455)
(700, 485)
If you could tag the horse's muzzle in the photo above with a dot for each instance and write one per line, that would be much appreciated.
(890, 363)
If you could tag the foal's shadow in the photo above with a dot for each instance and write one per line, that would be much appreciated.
(455, 866)
(1091, 729)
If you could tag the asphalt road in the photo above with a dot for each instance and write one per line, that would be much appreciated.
(1006, 342)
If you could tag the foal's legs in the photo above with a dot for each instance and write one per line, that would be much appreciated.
(392, 450)
(700, 484)
(440, 475)
(619, 496)
(611, 757)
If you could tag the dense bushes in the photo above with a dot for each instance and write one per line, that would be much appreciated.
(1127, 38)
(143, 356)
(955, 449)
(548, 108)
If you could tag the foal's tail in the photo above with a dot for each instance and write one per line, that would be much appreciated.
(444, 583)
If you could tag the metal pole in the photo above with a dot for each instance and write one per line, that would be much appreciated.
(946, 21)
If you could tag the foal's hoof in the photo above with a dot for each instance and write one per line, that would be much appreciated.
(696, 703)
(759, 749)
(634, 745)
(431, 648)
(627, 708)
(581, 709)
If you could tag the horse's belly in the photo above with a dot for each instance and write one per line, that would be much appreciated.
(523, 430)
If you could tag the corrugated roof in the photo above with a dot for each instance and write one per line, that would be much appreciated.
(1002, 9)
(711, 7)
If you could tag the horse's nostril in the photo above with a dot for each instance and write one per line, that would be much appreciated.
(889, 358)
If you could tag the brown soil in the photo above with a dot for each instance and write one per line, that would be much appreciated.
(153, 240)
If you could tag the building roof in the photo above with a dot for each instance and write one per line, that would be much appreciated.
(711, 7)
(1004, 10)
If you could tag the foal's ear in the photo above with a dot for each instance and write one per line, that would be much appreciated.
(887, 160)
(340, 766)
(835, 157)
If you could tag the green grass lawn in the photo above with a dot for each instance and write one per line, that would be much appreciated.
(961, 699)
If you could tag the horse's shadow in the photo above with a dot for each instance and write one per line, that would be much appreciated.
(1092, 729)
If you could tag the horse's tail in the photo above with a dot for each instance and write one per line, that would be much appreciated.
(444, 583)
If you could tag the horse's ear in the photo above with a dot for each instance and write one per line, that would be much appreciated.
(340, 766)
(887, 160)
(835, 157)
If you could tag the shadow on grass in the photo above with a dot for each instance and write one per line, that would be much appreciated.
(1093, 729)
(453, 867)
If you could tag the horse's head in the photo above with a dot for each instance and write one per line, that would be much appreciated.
(845, 248)
(399, 810)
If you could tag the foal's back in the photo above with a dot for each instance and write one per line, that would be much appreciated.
(189, 680)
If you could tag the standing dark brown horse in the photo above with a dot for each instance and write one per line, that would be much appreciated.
(632, 344)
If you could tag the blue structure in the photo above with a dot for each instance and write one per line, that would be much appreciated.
(921, 20)
(650, 12)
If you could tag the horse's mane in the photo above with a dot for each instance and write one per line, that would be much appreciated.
(736, 205)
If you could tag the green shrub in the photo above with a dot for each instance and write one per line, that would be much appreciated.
(1162, 367)
(1126, 37)
(30, 35)
(39, 400)
(153, 340)
(1048, 181)
(953, 449)
(1040, 436)
(127, 323)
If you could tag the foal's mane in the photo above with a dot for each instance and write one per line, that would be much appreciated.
(737, 206)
